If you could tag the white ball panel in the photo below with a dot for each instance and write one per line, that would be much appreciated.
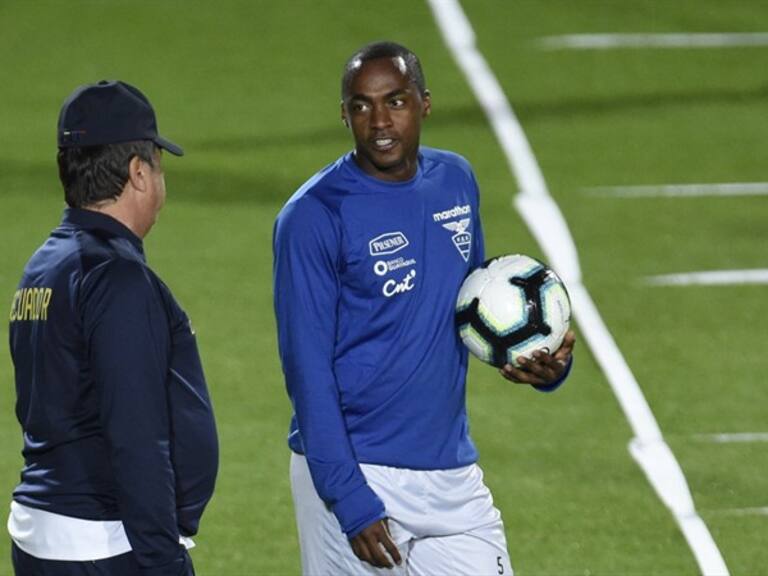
(503, 307)
(557, 311)
(472, 287)
(526, 348)
(514, 265)
(476, 343)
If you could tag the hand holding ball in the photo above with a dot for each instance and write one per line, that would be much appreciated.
(511, 306)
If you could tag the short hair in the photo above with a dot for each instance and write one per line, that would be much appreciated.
(376, 50)
(91, 174)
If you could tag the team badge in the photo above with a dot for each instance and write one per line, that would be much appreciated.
(461, 239)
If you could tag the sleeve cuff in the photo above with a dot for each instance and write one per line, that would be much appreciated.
(181, 566)
(558, 383)
(361, 508)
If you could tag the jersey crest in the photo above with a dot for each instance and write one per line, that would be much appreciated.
(461, 238)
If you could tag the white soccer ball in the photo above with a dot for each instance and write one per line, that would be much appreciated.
(511, 306)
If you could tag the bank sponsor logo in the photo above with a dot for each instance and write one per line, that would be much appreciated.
(393, 287)
(452, 213)
(384, 267)
(388, 243)
(461, 238)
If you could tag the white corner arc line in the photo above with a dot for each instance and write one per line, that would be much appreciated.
(675, 40)
(548, 226)
(711, 278)
(682, 190)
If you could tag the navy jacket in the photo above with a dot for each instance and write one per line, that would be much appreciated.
(111, 396)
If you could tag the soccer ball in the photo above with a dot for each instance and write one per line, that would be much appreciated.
(511, 306)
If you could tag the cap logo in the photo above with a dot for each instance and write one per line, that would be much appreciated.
(73, 136)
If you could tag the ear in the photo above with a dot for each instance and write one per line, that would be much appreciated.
(426, 103)
(344, 119)
(138, 173)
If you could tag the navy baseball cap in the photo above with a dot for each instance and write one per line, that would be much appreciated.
(109, 112)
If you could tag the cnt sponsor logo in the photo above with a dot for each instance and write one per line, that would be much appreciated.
(392, 287)
(388, 243)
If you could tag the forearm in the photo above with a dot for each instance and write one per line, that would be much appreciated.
(306, 289)
(128, 336)
(195, 447)
(335, 472)
(147, 500)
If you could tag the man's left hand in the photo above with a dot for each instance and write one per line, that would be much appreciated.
(542, 369)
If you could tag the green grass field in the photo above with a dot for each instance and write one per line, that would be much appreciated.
(250, 90)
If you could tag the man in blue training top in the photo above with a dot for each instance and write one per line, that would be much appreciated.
(383, 470)
(120, 446)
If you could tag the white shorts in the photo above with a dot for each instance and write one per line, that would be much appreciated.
(443, 522)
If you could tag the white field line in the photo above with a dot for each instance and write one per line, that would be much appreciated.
(758, 511)
(734, 437)
(683, 190)
(711, 278)
(614, 41)
(548, 226)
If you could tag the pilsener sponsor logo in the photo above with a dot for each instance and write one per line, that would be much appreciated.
(388, 243)
(452, 213)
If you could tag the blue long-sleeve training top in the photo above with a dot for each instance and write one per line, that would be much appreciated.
(366, 274)
(111, 396)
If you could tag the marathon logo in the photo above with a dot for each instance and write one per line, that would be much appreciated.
(388, 243)
(452, 213)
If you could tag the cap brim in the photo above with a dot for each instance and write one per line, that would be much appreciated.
(170, 146)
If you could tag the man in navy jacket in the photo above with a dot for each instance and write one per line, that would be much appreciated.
(120, 446)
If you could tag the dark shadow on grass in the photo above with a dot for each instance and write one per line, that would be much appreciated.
(40, 180)
(337, 136)
(330, 137)
(572, 107)
(207, 185)
(221, 187)
(627, 103)
(317, 137)
(36, 178)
